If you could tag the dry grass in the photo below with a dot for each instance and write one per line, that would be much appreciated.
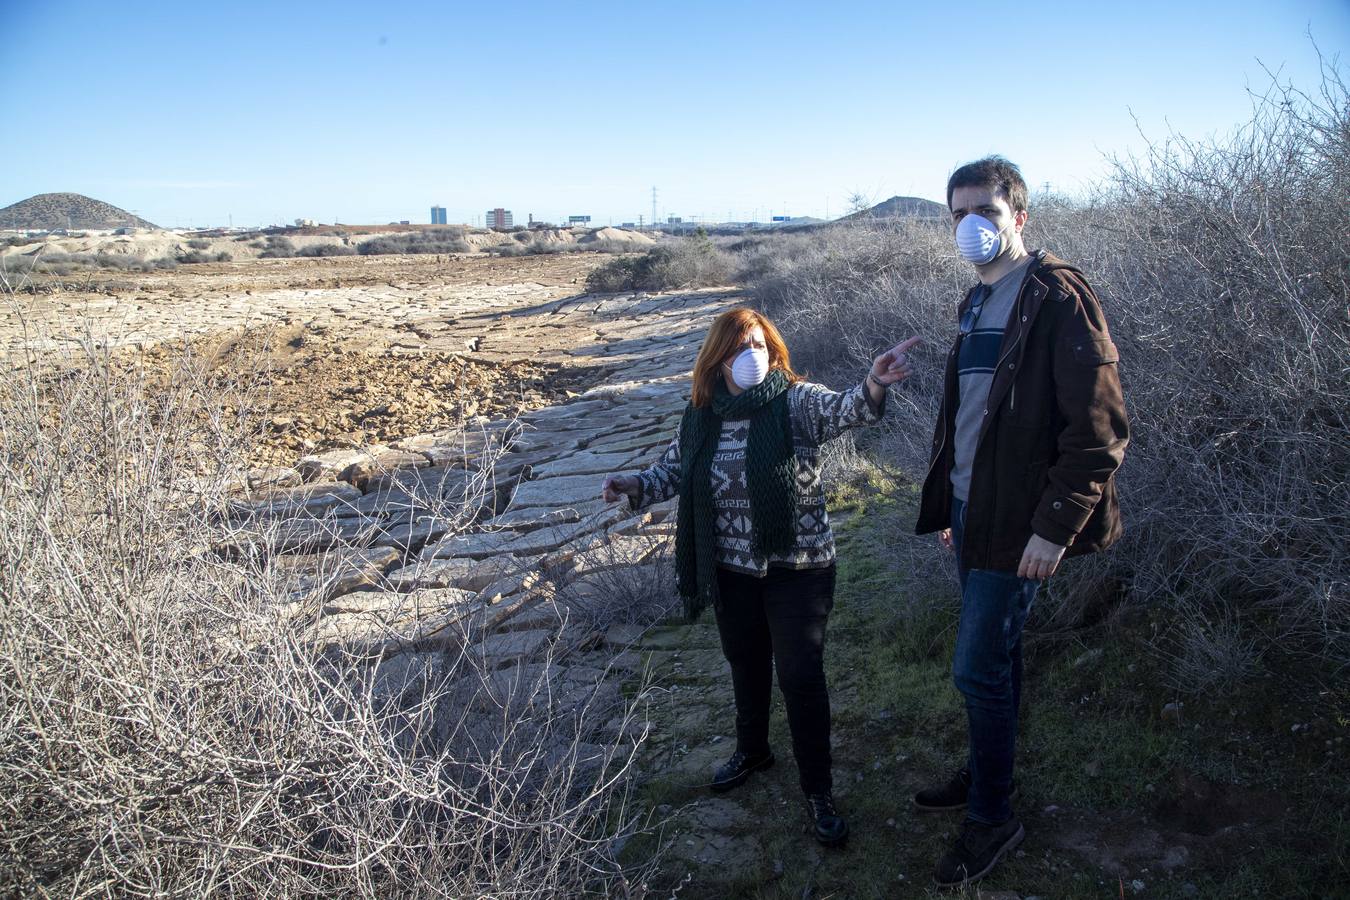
(164, 731)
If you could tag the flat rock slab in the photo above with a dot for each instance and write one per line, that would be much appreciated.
(339, 572)
(369, 635)
(637, 441)
(409, 537)
(566, 414)
(427, 480)
(310, 499)
(312, 535)
(392, 605)
(532, 518)
(510, 585)
(480, 545)
(584, 462)
(517, 684)
(510, 647)
(325, 466)
(361, 471)
(543, 614)
(559, 491)
(623, 636)
(468, 574)
(577, 537)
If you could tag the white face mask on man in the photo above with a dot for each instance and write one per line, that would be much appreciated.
(978, 241)
(750, 367)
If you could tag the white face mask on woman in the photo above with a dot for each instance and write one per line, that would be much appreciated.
(978, 241)
(750, 367)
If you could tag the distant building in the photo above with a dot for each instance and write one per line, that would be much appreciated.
(498, 218)
(438, 215)
(305, 223)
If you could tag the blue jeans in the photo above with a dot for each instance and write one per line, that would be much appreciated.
(987, 668)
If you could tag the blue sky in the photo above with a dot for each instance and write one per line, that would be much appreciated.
(369, 112)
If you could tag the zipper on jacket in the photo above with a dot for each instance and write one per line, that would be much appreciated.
(942, 445)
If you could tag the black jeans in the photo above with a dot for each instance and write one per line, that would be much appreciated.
(780, 619)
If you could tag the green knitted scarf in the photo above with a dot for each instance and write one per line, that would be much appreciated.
(770, 474)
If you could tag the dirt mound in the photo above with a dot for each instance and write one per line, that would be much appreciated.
(548, 237)
(480, 240)
(617, 235)
(48, 212)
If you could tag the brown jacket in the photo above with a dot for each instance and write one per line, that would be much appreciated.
(1054, 430)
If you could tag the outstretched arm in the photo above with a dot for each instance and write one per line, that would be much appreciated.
(659, 481)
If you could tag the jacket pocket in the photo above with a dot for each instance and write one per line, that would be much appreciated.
(1095, 351)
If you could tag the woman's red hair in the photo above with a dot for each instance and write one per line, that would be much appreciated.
(727, 333)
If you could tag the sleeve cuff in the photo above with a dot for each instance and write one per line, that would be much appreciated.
(1059, 518)
(870, 414)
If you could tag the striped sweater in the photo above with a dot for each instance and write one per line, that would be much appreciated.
(818, 414)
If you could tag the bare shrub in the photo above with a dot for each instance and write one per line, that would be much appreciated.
(327, 250)
(1208, 652)
(277, 247)
(630, 580)
(169, 727)
(843, 465)
(198, 244)
(1228, 301)
(438, 240)
(694, 261)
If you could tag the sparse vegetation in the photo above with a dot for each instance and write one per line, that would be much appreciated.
(538, 247)
(694, 261)
(63, 264)
(327, 250)
(170, 727)
(277, 247)
(196, 256)
(440, 240)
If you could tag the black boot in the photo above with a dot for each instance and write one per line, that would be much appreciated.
(977, 851)
(830, 827)
(736, 770)
(950, 796)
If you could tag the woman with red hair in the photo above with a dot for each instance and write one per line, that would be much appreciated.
(752, 536)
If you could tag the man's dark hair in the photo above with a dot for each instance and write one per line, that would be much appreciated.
(991, 172)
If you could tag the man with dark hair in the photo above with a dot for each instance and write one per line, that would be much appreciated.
(1031, 430)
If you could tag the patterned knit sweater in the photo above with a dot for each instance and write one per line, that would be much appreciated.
(817, 414)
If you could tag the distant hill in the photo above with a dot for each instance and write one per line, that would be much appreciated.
(898, 207)
(48, 212)
(796, 222)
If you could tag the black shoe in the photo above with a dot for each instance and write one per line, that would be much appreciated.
(977, 851)
(831, 828)
(734, 771)
(950, 796)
